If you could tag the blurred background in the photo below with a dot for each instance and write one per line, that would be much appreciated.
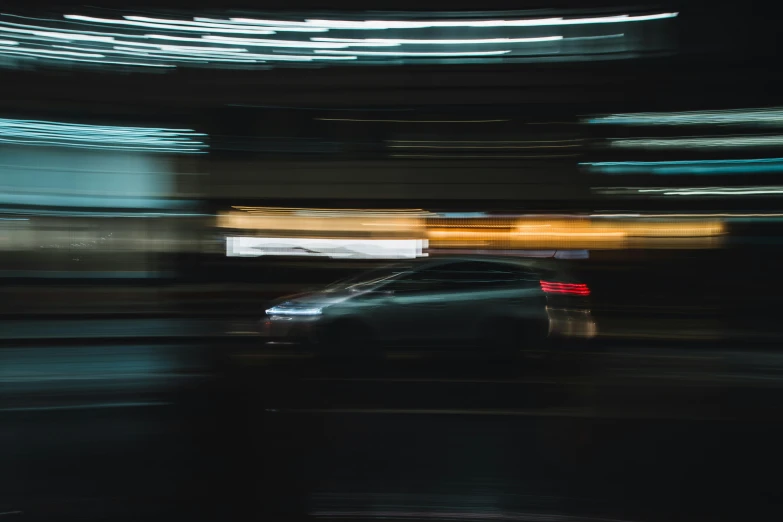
(169, 173)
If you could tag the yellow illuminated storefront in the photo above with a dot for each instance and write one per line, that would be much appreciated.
(508, 233)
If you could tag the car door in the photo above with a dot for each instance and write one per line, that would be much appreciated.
(408, 313)
(474, 291)
(435, 305)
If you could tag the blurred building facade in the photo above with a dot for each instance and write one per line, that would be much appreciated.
(460, 136)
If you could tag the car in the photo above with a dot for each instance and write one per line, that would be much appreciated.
(496, 305)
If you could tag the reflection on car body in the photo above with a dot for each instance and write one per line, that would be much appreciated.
(496, 304)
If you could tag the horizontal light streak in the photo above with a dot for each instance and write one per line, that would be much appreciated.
(161, 54)
(129, 148)
(402, 41)
(216, 24)
(256, 42)
(102, 137)
(465, 41)
(600, 37)
(85, 60)
(698, 142)
(128, 31)
(393, 211)
(770, 116)
(537, 22)
(716, 191)
(187, 49)
(39, 30)
(478, 232)
(735, 166)
(423, 54)
(584, 235)
(273, 25)
(217, 55)
(725, 216)
(479, 219)
(203, 29)
(407, 24)
(49, 51)
(692, 191)
(326, 225)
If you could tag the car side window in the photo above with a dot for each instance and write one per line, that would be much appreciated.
(478, 275)
(419, 281)
(463, 276)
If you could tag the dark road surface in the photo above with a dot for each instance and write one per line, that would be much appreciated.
(197, 432)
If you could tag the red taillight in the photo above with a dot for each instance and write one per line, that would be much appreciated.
(551, 287)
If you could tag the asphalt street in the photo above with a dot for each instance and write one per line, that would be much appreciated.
(203, 431)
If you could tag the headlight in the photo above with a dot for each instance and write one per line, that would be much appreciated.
(284, 310)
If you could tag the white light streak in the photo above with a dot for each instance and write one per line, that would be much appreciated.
(35, 29)
(47, 52)
(400, 53)
(49, 133)
(722, 191)
(38, 38)
(44, 38)
(187, 23)
(699, 142)
(616, 35)
(694, 191)
(55, 143)
(401, 41)
(255, 21)
(771, 116)
(182, 48)
(172, 38)
(103, 62)
(217, 55)
(164, 55)
(540, 22)
(201, 29)
(272, 43)
(281, 310)
(274, 25)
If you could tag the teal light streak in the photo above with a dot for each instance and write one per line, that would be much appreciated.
(695, 167)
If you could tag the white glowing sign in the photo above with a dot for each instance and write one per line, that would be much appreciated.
(331, 248)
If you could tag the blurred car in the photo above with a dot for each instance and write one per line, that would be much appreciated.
(497, 305)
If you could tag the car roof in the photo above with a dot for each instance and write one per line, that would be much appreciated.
(504, 260)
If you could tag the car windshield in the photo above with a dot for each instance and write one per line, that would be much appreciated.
(370, 278)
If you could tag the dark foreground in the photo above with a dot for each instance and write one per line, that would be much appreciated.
(198, 431)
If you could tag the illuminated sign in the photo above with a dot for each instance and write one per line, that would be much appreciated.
(332, 248)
